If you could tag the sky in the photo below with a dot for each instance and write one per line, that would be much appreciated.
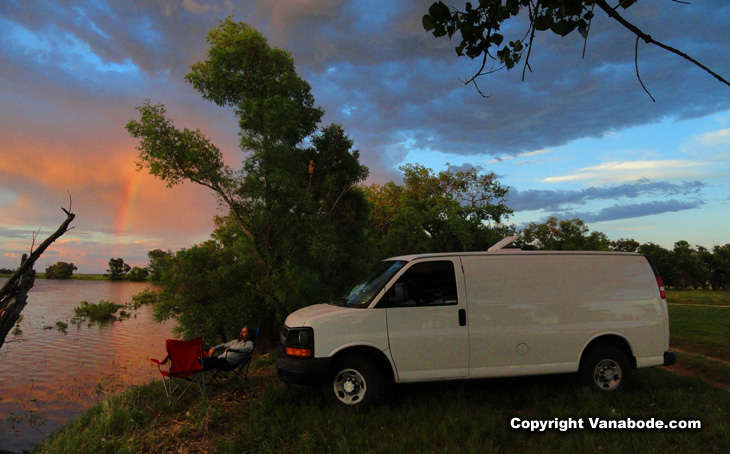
(578, 137)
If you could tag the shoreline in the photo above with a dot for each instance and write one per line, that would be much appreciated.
(75, 277)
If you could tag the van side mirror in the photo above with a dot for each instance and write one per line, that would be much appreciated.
(399, 293)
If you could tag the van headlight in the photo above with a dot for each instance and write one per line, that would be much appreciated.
(298, 342)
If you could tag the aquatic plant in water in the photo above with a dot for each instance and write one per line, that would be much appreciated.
(103, 311)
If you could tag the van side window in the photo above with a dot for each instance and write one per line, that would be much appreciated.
(424, 284)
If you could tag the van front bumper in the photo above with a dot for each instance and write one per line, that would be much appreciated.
(300, 371)
(669, 358)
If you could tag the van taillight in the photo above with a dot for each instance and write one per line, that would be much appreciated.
(662, 292)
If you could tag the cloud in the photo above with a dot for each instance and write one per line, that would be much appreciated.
(464, 168)
(376, 58)
(715, 138)
(552, 200)
(619, 171)
(636, 210)
(520, 155)
(72, 76)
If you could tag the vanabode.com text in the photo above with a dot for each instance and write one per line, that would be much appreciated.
(564, 425)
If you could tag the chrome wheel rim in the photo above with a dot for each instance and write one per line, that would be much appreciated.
(607, 374)
(349, 386)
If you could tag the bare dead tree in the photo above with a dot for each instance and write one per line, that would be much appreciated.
(14, 294)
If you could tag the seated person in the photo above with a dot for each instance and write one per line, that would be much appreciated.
(234, 352)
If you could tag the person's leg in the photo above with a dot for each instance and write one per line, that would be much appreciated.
(213, 362)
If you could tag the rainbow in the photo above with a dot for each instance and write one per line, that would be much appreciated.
(127, 203)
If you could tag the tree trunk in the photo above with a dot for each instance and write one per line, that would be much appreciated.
(14, 300)
(14, 294)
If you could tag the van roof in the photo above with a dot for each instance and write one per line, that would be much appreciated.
(510, 251)
(501, 248)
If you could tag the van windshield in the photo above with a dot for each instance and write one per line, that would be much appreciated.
(363, 293)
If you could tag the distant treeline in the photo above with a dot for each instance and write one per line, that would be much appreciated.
(118, 271)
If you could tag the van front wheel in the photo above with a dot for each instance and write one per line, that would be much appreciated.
(354, 381)
(606, 369)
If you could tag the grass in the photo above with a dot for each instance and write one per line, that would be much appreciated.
(702, 297)
(700, 333)
(89, 277)
(75, 277)
(143, 298)
(702, 330)
(714, 370)
(103, 311)
(462, 416)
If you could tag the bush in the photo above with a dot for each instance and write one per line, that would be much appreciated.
(60, 270)
(103, 311)
(137, 274)
(145, 297)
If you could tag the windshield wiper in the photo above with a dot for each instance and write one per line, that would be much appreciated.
(338, 302)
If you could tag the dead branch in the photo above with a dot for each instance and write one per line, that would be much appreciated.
(13, 295)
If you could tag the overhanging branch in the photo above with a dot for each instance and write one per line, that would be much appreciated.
(648, 39)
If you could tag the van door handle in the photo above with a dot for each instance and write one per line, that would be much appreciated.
(462, 317)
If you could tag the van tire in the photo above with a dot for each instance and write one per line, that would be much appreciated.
(354, 381)
(606, 369)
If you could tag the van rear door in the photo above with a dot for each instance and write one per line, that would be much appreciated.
(426, 313)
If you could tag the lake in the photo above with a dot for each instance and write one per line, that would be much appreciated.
(48, 377)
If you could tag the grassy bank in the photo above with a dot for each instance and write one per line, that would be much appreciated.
(88, 277)
(75, 277)
(471, 416)
(464, 416)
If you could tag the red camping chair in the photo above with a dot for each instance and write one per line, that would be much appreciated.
(184, 369)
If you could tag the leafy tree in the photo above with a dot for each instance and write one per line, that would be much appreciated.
(117, 269)
(690, 271)
(60, 270)
(295, 216)
(206, 290)
(137, 274)
(481, 26)
(565, 235)
(718, 263)
(158, 260)
(625, 245)
(448, 211)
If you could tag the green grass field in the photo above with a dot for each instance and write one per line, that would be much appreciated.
(698, 297)
(699, 328)
(702, 330)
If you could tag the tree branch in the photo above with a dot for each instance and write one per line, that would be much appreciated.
(13, 295)
(636, 65)
(649, 40)
(35, 255)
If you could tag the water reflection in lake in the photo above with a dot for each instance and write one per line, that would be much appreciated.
(48, 377)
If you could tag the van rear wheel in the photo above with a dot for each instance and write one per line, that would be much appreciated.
(354, 381)
(606, 369)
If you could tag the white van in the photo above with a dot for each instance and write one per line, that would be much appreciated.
(500, 313)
